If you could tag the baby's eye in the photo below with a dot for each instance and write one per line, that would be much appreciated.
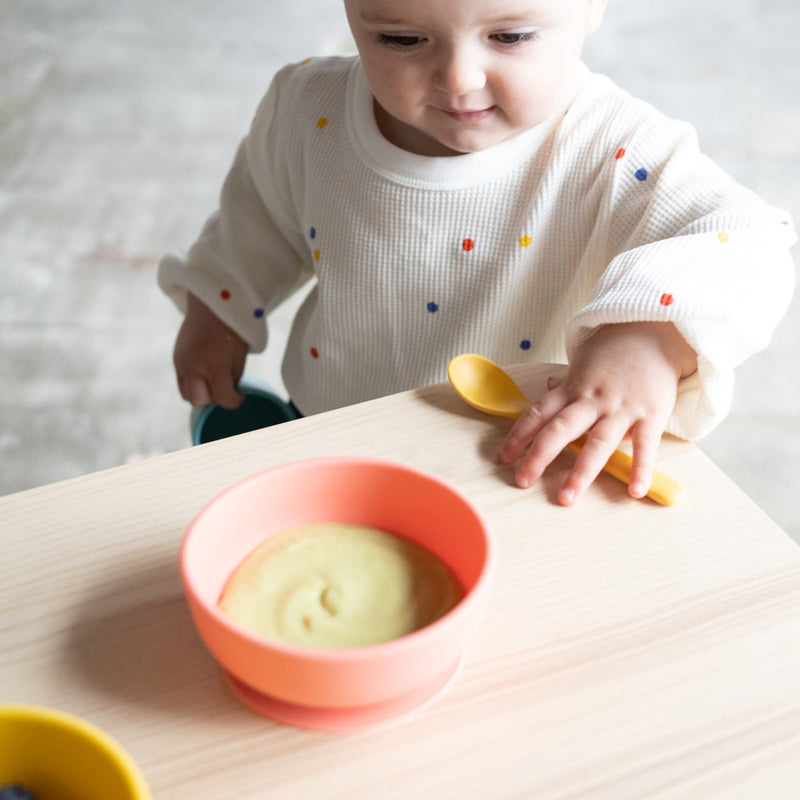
(514, 37)
(399, 42)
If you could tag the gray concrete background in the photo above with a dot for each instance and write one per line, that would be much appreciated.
(117, 124)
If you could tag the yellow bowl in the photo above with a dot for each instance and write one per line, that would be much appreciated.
(62, 757)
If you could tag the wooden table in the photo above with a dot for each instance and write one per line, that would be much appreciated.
(628, 650)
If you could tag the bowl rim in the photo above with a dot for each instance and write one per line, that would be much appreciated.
(129, 770)
(250, 387)
(411, 640)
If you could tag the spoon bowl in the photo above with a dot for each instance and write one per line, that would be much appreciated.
(488, 388)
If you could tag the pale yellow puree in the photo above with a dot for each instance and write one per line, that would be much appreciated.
(338, 585)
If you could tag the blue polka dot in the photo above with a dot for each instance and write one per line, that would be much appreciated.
(525, 344)
(258, 313)
(433, 308)
(641, 174)
(313, 233)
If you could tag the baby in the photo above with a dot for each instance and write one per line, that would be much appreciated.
(466, 184)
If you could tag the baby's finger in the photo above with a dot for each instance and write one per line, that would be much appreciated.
(565, 426)
(645, 437)
(223, 392)
(194, 390)
(601, 441)
(527, 427)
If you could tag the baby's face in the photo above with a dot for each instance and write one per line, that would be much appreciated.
(458, 76)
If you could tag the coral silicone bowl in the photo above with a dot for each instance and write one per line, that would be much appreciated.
(336, 688)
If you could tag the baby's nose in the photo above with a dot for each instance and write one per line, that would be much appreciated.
(459, 72)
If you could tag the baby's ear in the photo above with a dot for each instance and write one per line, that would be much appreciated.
(596, 10)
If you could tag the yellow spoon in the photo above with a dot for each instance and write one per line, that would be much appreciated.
(488, 388)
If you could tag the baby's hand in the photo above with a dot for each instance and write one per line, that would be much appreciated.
(209, 358)
(622, 382)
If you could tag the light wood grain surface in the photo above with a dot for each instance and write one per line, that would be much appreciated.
(628, 651)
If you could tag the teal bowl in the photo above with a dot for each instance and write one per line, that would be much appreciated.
(260, 408)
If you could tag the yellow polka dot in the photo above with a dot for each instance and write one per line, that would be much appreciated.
(322, 122)
(525, 241)
(723, 237)
(316, 255)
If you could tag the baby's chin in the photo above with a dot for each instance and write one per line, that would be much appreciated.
(445, 146)
(476, 141)
(464, 148)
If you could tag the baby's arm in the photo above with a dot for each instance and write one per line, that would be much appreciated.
(247, 260)
(623, 381)
(209, 358)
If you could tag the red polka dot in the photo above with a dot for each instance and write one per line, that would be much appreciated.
(468, 244)
(667, 299)
(620, 153)
(314, 352)
(225, 294)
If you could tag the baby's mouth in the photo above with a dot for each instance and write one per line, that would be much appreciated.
(469, 116)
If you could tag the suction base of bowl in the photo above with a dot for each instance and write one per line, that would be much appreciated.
(341, 720)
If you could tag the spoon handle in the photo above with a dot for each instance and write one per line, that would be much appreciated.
(663, 489)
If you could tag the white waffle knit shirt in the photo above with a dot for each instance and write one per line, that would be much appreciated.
(606, 213)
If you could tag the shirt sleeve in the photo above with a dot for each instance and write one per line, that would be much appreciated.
(686, 244)
(246, 260)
